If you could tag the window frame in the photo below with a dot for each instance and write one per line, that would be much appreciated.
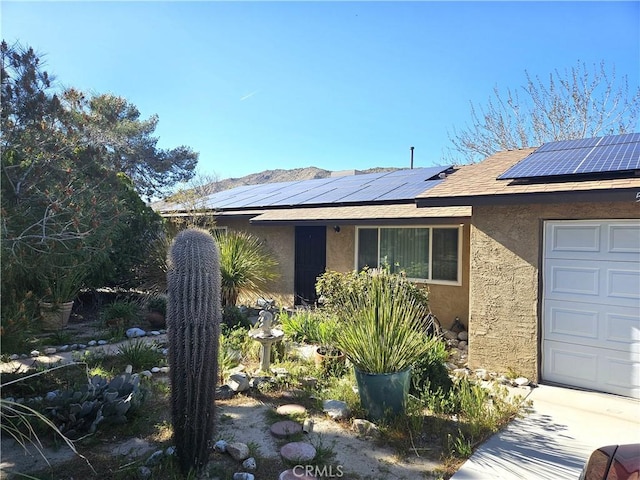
(429, 280)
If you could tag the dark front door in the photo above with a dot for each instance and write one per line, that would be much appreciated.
(311, 261)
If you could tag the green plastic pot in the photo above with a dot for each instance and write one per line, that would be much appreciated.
(383, 394)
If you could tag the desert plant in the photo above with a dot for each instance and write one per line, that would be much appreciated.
(246, 265)
(301, 326)
(140, 354)
(429, 371)
(18, 422)
(383, 328)
(194, 314)
(157, 303)
(120, 313)
(334, 288)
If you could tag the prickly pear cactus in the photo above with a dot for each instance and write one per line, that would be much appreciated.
(193, 327)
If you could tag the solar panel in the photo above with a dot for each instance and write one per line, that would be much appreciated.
(382, 186)
(613, 153)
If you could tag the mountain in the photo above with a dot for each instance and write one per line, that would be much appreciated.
(295, 174)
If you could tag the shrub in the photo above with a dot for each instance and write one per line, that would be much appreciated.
(383, 327)
(334, 288)
(140, 354)
(302, 325)
(233, 316)
(429, 373)
(157, 303)
(120, 313)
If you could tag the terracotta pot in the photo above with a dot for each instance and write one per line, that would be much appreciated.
(55, 317)
(156, 319)
(326, 360)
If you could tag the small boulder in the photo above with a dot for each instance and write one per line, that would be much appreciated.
(463, 335)
(336, 409)
(249, 464)
(243, 476)
(144, 473)
(135, 332)
(238, 451)
(50, 350)
(364, 427)
(220, 446)
(239, 382)
(224, 392)
(155, 458)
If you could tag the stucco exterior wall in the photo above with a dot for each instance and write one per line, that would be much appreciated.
(447, 301)
(505, 285)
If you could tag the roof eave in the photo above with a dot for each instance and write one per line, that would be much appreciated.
(582, 196)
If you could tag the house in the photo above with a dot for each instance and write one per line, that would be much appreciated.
(536, 251)
(347, 222)
(554, 261)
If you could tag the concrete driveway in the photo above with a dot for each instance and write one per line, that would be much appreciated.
(555, 440)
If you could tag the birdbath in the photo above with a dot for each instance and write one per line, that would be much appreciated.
(267, 336)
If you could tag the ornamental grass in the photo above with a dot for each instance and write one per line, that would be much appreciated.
(384, 325)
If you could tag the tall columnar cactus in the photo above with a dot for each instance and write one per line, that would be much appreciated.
(193, 322)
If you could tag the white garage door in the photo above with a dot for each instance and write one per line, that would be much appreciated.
(591, 305)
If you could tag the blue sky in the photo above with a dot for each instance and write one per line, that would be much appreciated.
(336, 85)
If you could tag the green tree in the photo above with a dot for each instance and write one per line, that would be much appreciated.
(569, 105)
(65, 207)
(125, 143)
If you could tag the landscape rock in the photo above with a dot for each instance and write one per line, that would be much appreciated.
(224, 392)
(155, 458)
(134, 333)
(239, 382)
(155, 369)
(521, 381)
(336, 409)
(249, 464)
(92, 343)
(170, 451)
(243, 476)
(63, 348)
(220, 446)
(146, 373)
(238, 451)
(449, 335)
(35, 353)
(365, 427)
(463, 335)
(144, 473)
(102, 342)
(50, 350)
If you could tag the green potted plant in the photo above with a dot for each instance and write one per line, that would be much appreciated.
(327, 354)
(383, 333)
(60, 289)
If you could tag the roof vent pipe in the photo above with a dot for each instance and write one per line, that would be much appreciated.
(411, 148)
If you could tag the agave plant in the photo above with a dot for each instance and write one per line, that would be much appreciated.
(246, 265)
(384, 326)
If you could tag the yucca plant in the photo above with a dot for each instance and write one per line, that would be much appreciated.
(246, 265)
(384, 326)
